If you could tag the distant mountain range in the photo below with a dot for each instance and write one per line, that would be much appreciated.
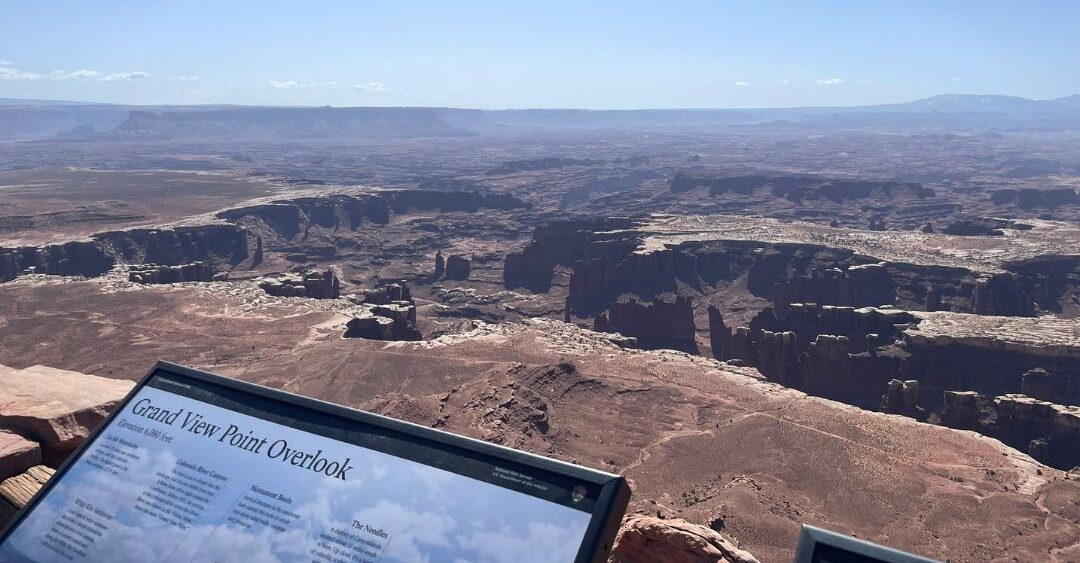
(73, 120)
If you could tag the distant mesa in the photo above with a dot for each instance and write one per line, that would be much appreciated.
(25, 119)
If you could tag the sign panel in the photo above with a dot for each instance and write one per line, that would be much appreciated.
(194, 467)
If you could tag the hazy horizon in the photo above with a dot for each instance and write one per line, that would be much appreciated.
(31, 101)
(605, 55)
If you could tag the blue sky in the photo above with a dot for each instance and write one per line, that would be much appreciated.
(512, 54)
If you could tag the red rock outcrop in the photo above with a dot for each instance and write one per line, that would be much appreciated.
(17, 454)
(645, 539)
(566, 243)
(56, 408)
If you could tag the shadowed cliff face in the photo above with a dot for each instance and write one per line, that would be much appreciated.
(607, 264)
(566, 243)
(218, 244)
(661, 324)
(856, 355)
(242, 234)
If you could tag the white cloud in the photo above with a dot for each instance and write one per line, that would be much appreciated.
(957, 79)
(829, 81)
(190, 78)
(123, 76)
(292, 84)
(6, 63)
(65, 75)
(783, 82)
(741, 83)
(10, 73)
(867, 81)
(371, 87)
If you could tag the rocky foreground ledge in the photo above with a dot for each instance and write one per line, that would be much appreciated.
(45, 413)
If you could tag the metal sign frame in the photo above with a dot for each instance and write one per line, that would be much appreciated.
(815, 543)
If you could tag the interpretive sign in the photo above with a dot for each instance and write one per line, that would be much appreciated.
(196, 467)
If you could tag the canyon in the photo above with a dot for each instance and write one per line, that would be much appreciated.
(760, 324)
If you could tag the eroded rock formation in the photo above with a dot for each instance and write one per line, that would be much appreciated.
(660, 324)
(797, 273)
(458, 267)
(1047, 431)
(645, 539)
(310, 283)
(391, 314)
(901, 397)
(1053, 386)
(440, 265)
(614, 257)
(565, 243)
(881, 359)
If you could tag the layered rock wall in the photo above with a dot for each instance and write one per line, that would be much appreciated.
(877, 359)
(1047, 431)
(566, 243)
(213, 244)
(659, 324)
(158, 273)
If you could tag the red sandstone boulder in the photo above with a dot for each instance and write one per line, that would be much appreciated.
(56, 408)
(17, 454)
(644, 539)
